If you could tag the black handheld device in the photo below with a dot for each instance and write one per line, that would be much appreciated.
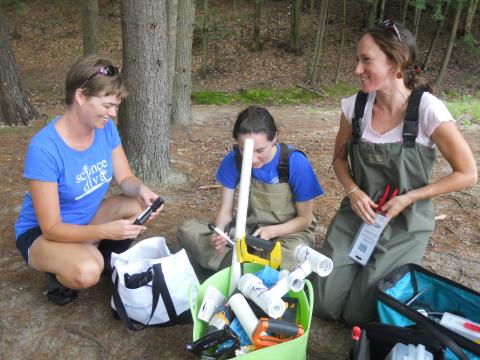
(143, 217)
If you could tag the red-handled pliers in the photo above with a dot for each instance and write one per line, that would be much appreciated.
(385, 197)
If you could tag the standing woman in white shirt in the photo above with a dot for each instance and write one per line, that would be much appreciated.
(388, 135)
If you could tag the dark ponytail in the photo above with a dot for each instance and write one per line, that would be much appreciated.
(255, 120)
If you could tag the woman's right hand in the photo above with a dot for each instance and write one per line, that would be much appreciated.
(218, 242)
(363, 205)
(123, 229)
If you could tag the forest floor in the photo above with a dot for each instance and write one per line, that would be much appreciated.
(47, 39)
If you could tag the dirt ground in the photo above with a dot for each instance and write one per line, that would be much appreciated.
(31, 327)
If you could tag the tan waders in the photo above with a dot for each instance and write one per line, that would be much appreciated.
(349, 291)
(268, 204)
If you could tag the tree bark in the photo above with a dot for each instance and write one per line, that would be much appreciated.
(381, 10)
(472, 8)
(145, 114)
(295, 26)
(419, 7)
(435, 37)
(257, 44)
(342, 41)
(89, 26)
(372, 14)
(313, 71)
(14, 106)
(203, 68)
(403, 15)
(451, 42)
(182, 84)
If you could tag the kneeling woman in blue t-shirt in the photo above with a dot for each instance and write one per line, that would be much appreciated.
(69, 165)
(282, 189)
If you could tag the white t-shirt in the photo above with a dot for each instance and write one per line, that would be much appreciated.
(432, 112)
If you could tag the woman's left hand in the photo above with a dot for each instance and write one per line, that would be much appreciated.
(396, 205)
(265, 232)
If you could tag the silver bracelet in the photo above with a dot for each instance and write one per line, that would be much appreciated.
(355, 188)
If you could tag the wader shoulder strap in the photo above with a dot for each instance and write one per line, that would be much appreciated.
(360, 103)
(283, 163)
(410, 124)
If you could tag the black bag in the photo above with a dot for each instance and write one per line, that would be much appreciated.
(413, 295)
(377, 340)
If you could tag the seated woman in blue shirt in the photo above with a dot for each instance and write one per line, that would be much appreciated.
(282, 189)
(69, 164)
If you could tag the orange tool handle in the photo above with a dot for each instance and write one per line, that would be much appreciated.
(270, 332)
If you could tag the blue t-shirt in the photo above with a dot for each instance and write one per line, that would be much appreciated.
(83, 177)
(302, 180)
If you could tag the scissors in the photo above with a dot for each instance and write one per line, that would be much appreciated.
(385, 197)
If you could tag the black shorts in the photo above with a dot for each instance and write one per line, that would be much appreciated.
(106, 247)
(25, 240)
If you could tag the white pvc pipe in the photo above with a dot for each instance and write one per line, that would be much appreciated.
(320, 264)
(253, 288)
(293, 280)
(244, 313)
(241, 221)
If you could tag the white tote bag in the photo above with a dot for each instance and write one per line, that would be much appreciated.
(151, 285)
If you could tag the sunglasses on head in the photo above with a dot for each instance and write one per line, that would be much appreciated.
(107, 70)
(389, 25)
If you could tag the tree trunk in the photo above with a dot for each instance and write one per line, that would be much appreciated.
(472, 8)
(381, 11)
(435, 37)
(257, 45)
(203, 68)
(419, 7)
(403, 15)
(295, 26)
(89, 26)
(182, 84)
(14, 106)
(342, 41)
(313, 72)
(145, 113)
(372, 14)
(324, 45)
(451, 42)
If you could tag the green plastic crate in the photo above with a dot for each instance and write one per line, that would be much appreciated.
(294, 349)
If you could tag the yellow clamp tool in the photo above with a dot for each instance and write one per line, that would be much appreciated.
(270, 250)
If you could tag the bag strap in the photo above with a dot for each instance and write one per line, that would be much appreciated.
(122, 313)
(159, 288)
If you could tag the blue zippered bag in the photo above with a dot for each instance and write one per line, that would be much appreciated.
(413, 295)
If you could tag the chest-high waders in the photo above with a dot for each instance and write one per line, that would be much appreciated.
(349, 291)
(268, 204)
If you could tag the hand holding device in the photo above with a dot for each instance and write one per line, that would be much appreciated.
(145, 215)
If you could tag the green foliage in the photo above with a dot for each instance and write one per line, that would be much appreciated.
(438, 11)
(465, 109)
(211, 97)
(262, 96)
(19, 6)
(340, 90)
(470, 41)
(419, 4)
